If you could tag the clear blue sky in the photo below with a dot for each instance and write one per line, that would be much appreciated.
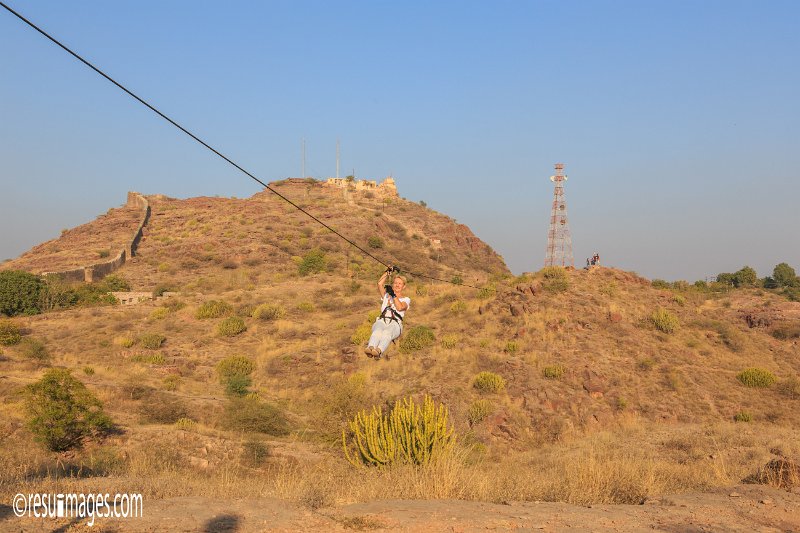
(678, 121)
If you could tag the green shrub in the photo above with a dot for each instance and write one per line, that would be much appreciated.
(756, 377)
(152, 341)
(450, 340)
(235, 365)
(458, 307)
(417, 338)
(511, 347)
(251, 415)
(213, 309)
(171, 382)
(9, 333)
(361, 334)
(62, 412)
(489, 382)
(375, 242)
(554, 371)
(678, 299)
(664, 321)
(478, 411)
(149, 359)
(457, 280)
(305, 307)
(114, 283)
(238, 385)
(185, 424)
(486, 292)
(126, 342)
(660, 284)
(231, 326)
(20, 293)
(161, 289)
(409, 433)
(313, 262)
(234, 373)
(88, 370)
(553, 272)
(743, 416)
(159, 313)
(34, 349)
(269, 312)
(555, 279)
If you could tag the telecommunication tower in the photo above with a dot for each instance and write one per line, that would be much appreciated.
(559, 240)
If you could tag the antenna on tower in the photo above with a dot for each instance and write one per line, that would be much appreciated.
(559, 239)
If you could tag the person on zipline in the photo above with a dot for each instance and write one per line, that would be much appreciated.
(389, 324)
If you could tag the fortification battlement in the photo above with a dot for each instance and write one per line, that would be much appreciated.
(385, 188)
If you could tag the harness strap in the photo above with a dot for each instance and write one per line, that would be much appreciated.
(394, 315)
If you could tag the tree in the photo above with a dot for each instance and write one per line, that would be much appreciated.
(784, 275)
(62, 411)
(745, 277)
(19, 293)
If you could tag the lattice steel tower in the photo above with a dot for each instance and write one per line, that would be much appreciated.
(559, 240)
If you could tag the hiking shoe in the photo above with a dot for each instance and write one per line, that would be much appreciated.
(370, 351)
(376, 353)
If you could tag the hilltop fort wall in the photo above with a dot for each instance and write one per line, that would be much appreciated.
(385, 188)
(98, 271)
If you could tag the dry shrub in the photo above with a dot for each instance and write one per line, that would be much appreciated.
(790, 387)
(251, 415)
(152, 341)
(269, 312)
(35, 350)
(160, 408)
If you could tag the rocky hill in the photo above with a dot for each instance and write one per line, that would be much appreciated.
(602, 388)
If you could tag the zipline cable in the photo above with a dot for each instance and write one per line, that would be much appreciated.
(206, 145)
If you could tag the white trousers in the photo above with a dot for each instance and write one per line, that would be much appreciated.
(383, 332)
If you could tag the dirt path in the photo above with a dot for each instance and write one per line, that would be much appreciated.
(744, 508)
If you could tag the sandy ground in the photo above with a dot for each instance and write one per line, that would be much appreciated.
(744, 508)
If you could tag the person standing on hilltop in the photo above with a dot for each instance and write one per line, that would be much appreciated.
(389, 324)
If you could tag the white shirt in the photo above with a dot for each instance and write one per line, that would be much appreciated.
(404, 299)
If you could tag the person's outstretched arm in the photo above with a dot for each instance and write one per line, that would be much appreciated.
(381, 283)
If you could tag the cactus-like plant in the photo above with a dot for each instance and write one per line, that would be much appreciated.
(410, 433)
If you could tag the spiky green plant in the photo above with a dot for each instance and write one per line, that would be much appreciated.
(410, 434)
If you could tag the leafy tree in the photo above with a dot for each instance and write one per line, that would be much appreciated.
(784, 275)
(746, 277)
(62, 411)
(19, 293)
(725, 278)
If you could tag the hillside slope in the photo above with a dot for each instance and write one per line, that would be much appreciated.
(614, 391)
